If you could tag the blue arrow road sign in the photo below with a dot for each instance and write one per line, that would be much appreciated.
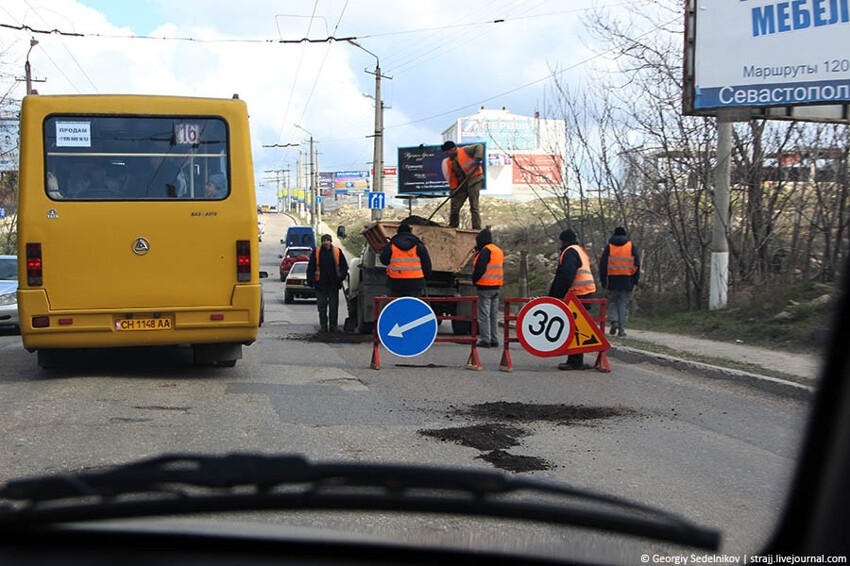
(377, 200)
(407, 327)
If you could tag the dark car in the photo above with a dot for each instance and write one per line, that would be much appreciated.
(292, 255)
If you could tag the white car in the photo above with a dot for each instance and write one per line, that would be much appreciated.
(9, 291)
(296, 286)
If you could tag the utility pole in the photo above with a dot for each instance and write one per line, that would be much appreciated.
(312, 181)
(719, 281)
(288, 201)
(378, 154)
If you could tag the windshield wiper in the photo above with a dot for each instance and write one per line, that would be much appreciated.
(189, 484)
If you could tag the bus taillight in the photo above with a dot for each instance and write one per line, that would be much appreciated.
(243, 260)
(34, 264)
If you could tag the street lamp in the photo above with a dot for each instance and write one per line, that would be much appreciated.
(27, 69)
(378, 158)
(314, 217)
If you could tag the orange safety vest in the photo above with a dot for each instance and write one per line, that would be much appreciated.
(336, 261)
(466, 164)
(583, 281)
(494, 276)
(405, 264)
(621, 260)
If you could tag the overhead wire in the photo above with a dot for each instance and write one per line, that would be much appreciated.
(532, 83)
(295, 79)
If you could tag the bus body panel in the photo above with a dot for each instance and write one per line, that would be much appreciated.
(93, 273)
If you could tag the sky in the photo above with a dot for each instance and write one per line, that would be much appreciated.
(441, 60)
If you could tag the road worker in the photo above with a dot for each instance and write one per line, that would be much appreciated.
(462, 168)
(408, 263)
(488, 275)
(619, 272)
(572, 274)
(326, 270)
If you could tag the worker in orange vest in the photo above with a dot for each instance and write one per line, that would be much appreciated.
(619, 272)
(488, 275)
(326, 271)
(408, 263)
(573, 274)
(465, 174)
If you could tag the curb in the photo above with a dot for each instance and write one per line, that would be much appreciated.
(762, 382)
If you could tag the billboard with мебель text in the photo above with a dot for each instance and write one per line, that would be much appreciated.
(760, 54)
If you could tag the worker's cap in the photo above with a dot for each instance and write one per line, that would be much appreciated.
(404, 228)
(568, 236)
(619, 231)
(447, 145)
(327, 238)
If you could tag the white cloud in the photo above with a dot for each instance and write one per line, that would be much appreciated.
(318, 85)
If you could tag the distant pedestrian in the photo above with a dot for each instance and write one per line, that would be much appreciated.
(408, 263)
(465, 174)
(326, 271)
(488, 274)
(619, 272)
(572, 274)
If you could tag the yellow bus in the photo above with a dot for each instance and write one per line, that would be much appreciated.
(137, 225)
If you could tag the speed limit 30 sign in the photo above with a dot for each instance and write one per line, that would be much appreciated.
(545, 326)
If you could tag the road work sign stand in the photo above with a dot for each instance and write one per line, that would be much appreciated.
(548, 327)
(407, 327)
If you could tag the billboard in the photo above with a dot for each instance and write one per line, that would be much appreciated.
(761, 54)
(420, 169)
(351, 181)
(537, 169)
(9, 136)
(510, 134)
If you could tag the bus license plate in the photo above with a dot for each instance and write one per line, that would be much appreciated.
(123, 324)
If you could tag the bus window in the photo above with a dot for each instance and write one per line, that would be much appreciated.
(135, 157)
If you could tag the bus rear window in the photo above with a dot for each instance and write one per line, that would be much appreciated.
(136, 158)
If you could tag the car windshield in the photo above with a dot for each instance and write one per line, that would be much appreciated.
(598, 243)
(299, 268)
(9, 268)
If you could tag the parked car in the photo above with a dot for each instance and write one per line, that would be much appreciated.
(292, 255)
(9, 291)
(296, 286)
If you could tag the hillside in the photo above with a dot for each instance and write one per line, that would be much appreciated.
(788, 316)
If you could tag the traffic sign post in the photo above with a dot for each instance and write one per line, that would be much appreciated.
(553, 327)
(407, 327)
(377, 200)
(544, 327)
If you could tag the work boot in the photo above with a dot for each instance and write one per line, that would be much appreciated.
(483, 344)
(494, 344)
(621, 332)
(566, 366)
(613, 329)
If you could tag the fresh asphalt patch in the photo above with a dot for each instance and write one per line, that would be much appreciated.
(495, 436)
(330, 337)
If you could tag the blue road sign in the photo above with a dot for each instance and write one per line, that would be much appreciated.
(319, 199)
(377, 200)
(407, 327)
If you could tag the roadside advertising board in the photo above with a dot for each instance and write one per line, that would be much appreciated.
(420, 169)
(768, 53)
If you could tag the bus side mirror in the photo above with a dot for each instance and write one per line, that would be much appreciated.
(340, 231)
